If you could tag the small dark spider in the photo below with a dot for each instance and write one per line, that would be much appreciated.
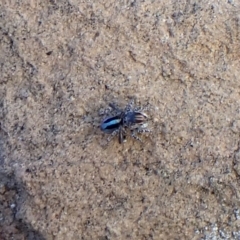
(133, 119)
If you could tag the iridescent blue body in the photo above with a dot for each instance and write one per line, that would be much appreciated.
(130, 118)
(111, 124)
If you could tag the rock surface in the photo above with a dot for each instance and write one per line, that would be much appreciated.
(62, 63)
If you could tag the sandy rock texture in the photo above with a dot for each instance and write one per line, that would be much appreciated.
(62, 63)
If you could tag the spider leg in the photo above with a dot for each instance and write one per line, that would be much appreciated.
(115, 108)
(129, 106)
(114, 133)
(133, 134)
